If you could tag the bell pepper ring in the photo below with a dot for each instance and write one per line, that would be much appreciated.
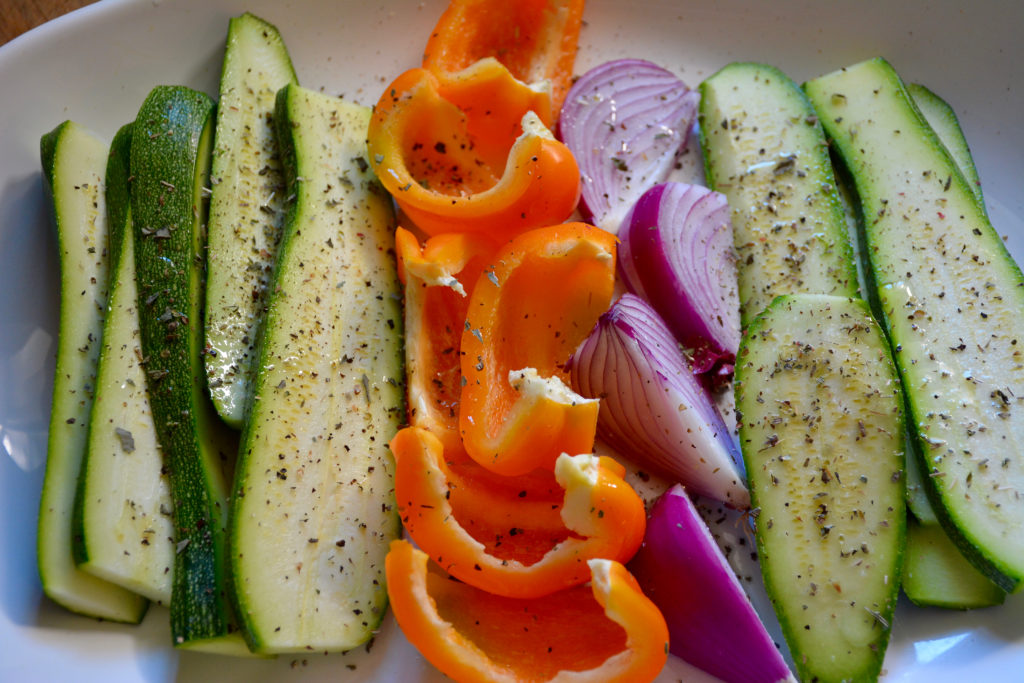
(523, 550)
(435, 276)
(607, 631)
(527, 314)
(535, 39)
(469, 154)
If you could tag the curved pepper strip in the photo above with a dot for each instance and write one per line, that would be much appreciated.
(529, 553)
(607, 632)
(493, 514)
(535, 39)
(468, 154)
(435, 276)
(512, 518)
(545, 293)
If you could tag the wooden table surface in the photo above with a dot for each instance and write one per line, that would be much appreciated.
(18, 16)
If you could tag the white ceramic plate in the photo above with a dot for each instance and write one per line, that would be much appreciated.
(96, 65)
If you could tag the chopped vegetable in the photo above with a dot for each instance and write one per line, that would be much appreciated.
(516, 541)
(606, 632)
(467, 153)
(653, 408)
(942, 119)
(764, 149)
(535, 39)
(136, 550)
(710, 619)
(951, 298)
(527, 313)
(492, 507)
(247, 208)
(73, 165)
(172, 140)
(436, 277)
(677, 254)
(936, 574)
(626, 121)
(313, 510)
(822, 433)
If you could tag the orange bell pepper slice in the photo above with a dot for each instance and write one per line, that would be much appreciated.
(535, 39)
(436, 276)
(545, 293)
(492, 514)
(608, 631)
(468, 153)
(505, 538)
(491, 508)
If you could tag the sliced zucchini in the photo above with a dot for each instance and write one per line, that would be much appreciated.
(952, 301)
(123, 530)
(936, 574)
(170, 156)
(821, 427)
(313, 510)
(941, 117)
(765, 150)
(917, 495)
(943, 121)
(246, 208)
(74, 161)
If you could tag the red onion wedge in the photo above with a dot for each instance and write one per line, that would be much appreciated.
(653, 409)
(711, 623)
(677, 253)
(626, 121)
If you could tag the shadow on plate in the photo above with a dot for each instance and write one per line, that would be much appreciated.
(28, 320)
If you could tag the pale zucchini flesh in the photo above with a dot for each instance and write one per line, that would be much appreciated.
(313, 510)
(821, 429)
(246, 209)
(943, 120)
(765, 150)
(123, 510)
(74, 163)
(170, 154)
(936, 574)
(952, 301)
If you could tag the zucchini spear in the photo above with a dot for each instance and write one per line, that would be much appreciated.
(821, 427)
(170, 167)
(313, 511)
(123, 530)
(246, 209)
(74, 163)
(764, 149)
(952, 301)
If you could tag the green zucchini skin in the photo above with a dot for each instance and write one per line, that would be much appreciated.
(313, 511)
(73, 163)
(170, 156)
(820, 417)
(123, 530)
(118, 195)
(765, 150)
(952, 302)
(246, 209)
